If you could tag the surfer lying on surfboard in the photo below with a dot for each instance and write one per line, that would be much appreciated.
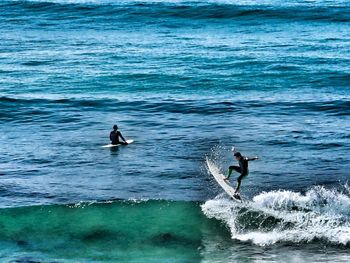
(242, 168)
(114, 136)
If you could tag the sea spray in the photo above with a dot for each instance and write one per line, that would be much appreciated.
(286, 216)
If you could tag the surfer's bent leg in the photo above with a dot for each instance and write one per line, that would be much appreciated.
(231, 168)
(239, 181)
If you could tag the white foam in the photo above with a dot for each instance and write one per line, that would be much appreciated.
(320, 214)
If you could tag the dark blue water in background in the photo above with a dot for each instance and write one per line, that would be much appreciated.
(185, 80)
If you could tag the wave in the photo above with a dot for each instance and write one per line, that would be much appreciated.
(117, 229)
(196, 10)
(176, 231)
(136, 230)
(41, 109)
(320, 214)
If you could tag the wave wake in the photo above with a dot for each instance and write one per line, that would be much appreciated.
(319, 215)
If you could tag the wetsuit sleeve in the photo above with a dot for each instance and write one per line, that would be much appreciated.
(121, 136)
(251, 159)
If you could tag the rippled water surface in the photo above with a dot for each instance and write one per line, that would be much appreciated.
(186, 80)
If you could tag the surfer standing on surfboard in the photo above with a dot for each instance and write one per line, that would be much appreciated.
(114, 136)
(242, 168)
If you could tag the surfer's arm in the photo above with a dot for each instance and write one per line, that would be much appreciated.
(253, 158)
(121, 136)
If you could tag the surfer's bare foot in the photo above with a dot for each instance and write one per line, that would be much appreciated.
(225, 179)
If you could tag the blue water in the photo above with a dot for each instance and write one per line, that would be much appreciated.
(186, 80)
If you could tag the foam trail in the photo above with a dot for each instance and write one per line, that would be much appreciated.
(286, 216)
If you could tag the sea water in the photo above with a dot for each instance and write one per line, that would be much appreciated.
(187, 80)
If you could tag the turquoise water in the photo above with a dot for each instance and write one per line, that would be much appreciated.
(187, 80)
(149, 231)
(169, 231)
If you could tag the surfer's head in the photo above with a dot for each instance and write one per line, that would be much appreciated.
(115, 127)
(238, 155)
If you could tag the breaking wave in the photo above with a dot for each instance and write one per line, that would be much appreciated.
(285, 216)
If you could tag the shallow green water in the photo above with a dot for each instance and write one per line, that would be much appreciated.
(128, 231)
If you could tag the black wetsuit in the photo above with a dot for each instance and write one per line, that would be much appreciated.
(242, 169)
(243, 166)
(114, 137)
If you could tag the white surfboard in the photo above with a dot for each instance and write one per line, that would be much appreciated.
(116, 145)
(219, 177)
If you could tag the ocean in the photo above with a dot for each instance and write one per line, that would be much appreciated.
(187, 81)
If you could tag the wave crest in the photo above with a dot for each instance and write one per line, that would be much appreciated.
(285, 216)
